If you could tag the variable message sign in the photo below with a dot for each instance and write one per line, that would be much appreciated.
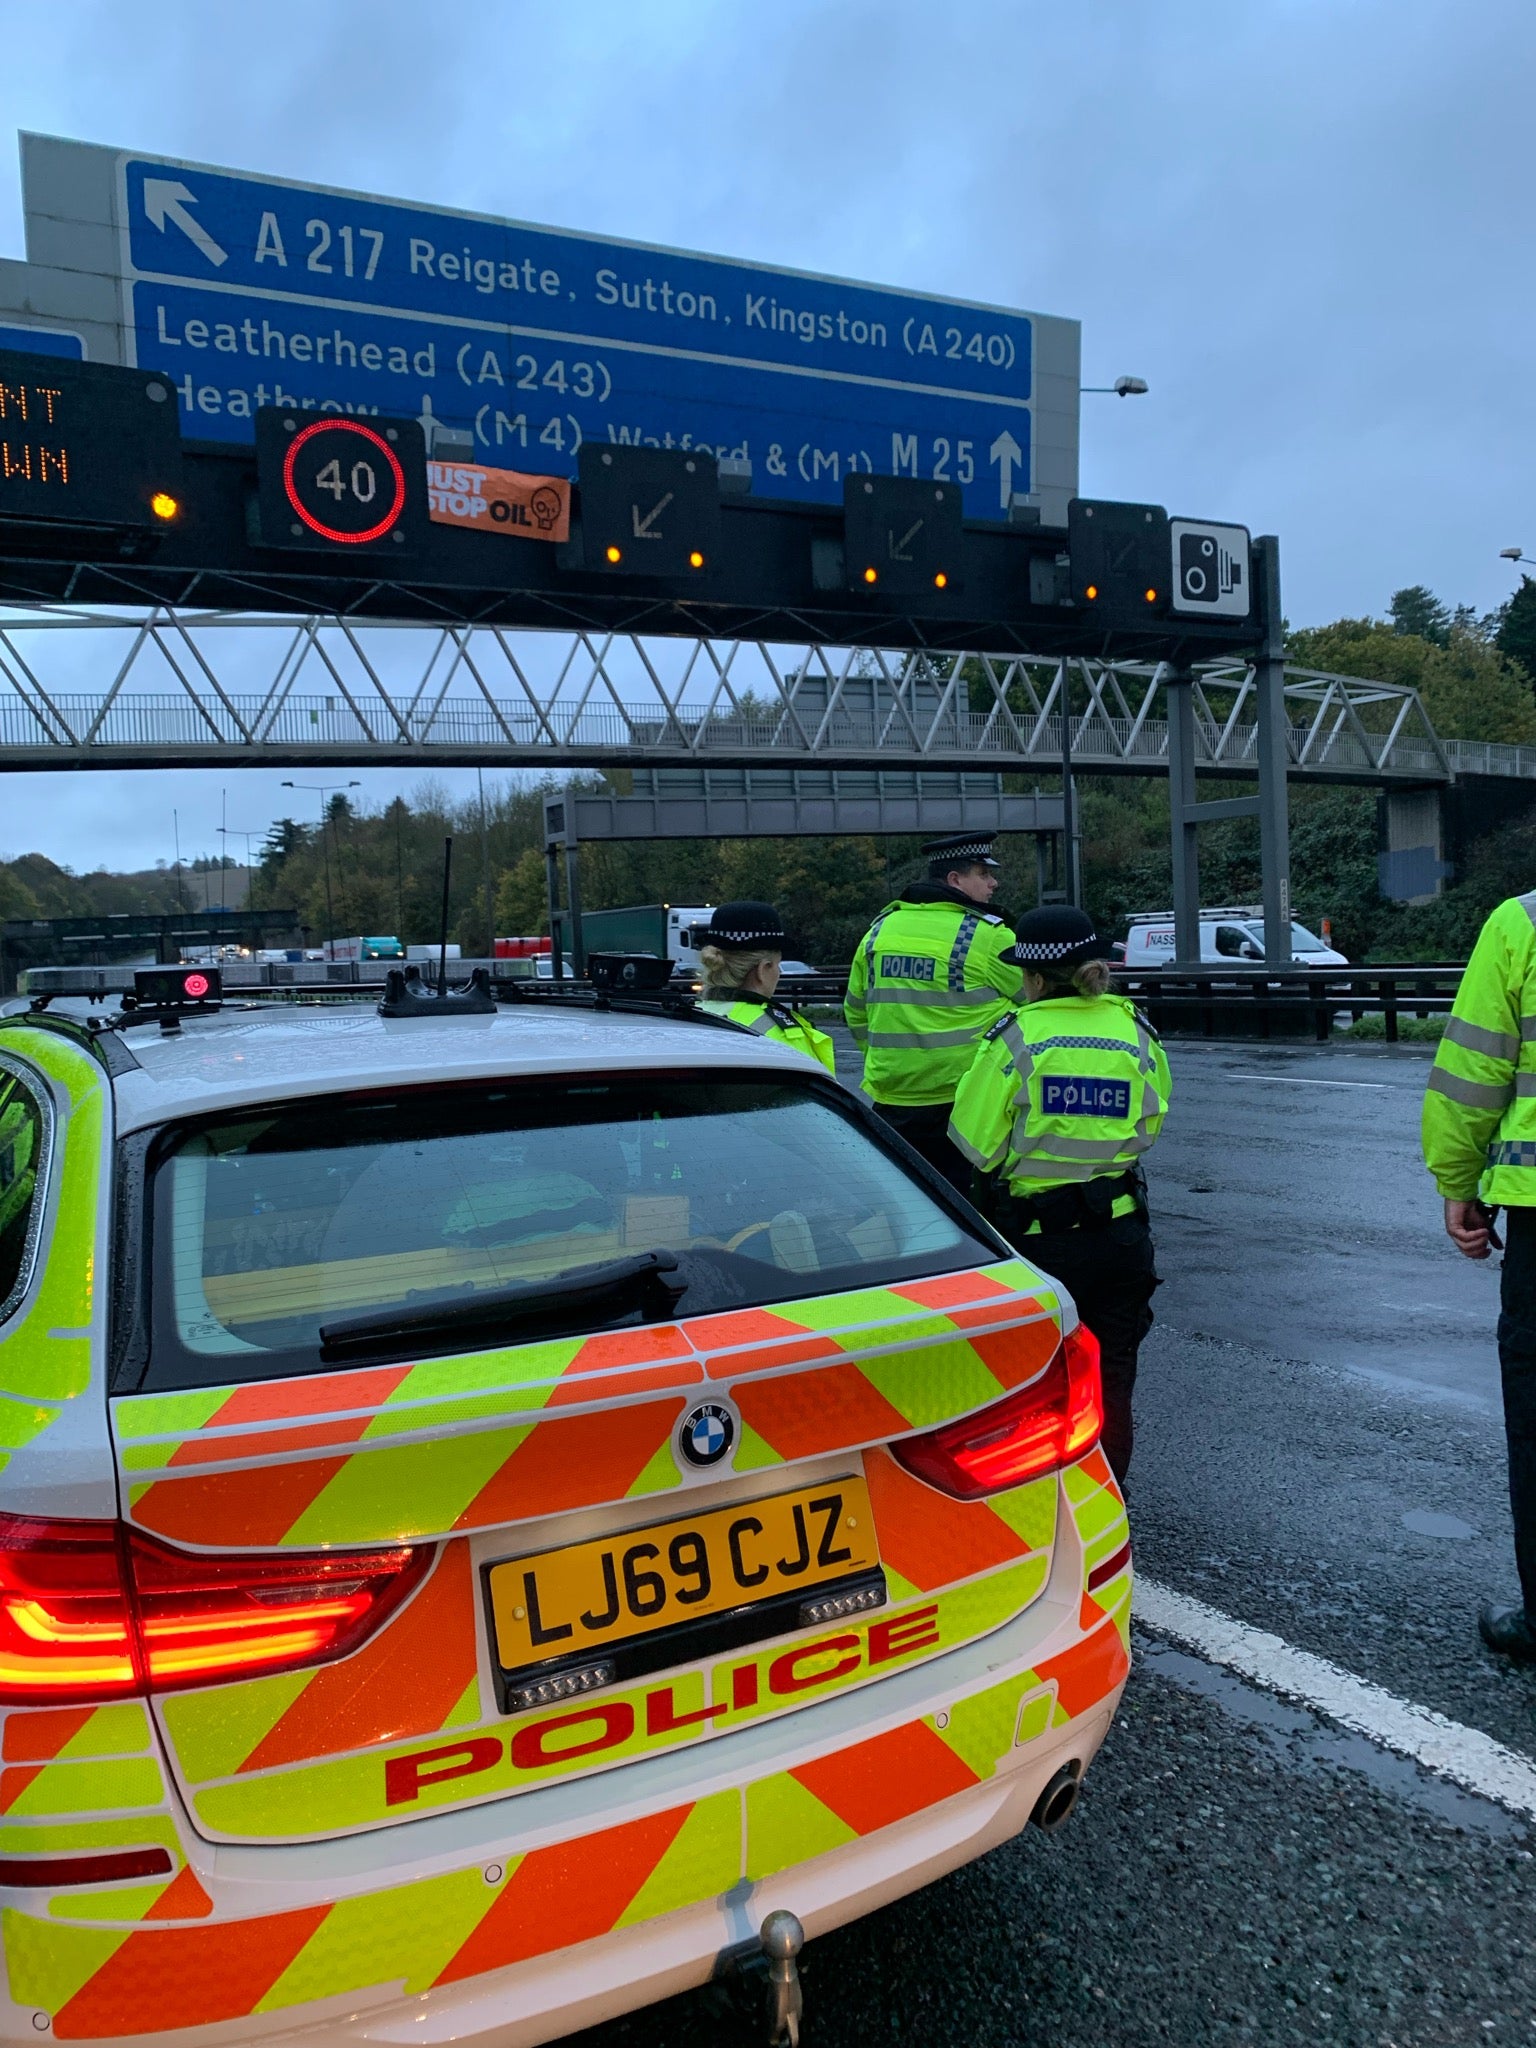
(87, 443)
(252, 291)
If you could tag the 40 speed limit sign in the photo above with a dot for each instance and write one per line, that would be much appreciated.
(340, 483)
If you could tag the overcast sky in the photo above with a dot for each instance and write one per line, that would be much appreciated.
(1307, 223)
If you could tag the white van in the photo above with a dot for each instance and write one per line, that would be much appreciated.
(1233, 934)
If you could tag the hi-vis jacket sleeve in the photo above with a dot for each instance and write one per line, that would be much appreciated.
(855, 1011)
(990, 943)
(986, 1103)
(1473, 1080)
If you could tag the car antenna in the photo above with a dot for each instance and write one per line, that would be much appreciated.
(406, 994)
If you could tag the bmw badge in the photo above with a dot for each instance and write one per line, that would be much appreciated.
(707, 1434)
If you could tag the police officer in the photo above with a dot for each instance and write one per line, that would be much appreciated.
(740, 950)
(1480, 1145)
(1063, 1097)
(928, 978)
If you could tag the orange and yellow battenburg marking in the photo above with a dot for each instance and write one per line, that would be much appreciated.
(147, 1977)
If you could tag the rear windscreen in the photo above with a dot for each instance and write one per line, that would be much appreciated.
(268, 1226)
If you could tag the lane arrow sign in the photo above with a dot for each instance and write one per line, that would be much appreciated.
(166, 200)
(1005, 451)
(898, 547)
(643, 526)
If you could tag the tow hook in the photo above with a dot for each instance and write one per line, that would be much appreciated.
(783, 1938)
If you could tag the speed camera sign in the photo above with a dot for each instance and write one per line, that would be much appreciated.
(1210, 570)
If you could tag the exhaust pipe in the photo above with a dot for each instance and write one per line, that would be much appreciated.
(1058, 1800)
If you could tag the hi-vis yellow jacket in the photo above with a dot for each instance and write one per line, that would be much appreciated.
(1063, 1090)
(1480, 1106)
(925, 983)
(768, 1019)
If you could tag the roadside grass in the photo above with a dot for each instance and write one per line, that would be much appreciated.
(1410, 1030)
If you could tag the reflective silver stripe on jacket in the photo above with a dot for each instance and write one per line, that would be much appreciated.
(1528, 904)
(913, 1039)
(959, 950)
(1527, 1029)
(1498, 1045)
(937, 998)
(1475, 1094)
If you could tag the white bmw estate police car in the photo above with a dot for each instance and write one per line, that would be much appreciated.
(492, 1507)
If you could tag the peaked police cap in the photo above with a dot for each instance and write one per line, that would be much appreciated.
(961, 850)
(1056, 935)
(743, 926)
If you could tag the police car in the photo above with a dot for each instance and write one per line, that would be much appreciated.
(495, 1506)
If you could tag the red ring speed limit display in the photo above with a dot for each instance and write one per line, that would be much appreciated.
(340, 484)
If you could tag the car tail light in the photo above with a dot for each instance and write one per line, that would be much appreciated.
(1034, 1430)
(93, 1611)
(64, 1630)
(205, 1618)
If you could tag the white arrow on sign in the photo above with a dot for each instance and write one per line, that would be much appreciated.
(166, 200)
(1006, 452)
(643, 526)
(898, 548)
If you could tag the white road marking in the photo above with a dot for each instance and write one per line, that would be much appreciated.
(1465, 1755)
(1306, 1081)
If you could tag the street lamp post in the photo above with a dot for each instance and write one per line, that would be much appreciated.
(228, 832)
(1123, 387)
(323, 790)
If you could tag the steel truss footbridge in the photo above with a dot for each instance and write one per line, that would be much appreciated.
(165, 687)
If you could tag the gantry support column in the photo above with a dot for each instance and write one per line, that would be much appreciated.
(1274, 760)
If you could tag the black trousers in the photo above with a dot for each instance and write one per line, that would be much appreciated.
(1110, 1274)
(1517, 1368)
(925, 1128)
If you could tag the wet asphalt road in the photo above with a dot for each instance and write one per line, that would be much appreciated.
(1320, 1454)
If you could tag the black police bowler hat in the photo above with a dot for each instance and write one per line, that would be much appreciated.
(962, 850)
(742, 926)
(1056, 935)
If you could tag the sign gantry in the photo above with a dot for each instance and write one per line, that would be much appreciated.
(677, 443)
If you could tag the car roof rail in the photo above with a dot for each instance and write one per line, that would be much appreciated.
(575, 995)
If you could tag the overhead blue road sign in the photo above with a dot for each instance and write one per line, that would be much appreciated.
(42, 341)
(250, 292)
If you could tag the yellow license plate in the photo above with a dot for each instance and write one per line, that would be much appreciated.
(559, 1603)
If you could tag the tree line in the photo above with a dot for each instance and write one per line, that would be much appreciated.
(379, 870)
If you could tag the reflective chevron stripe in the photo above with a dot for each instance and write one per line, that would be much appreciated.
(94, 1982)
(470, 1443)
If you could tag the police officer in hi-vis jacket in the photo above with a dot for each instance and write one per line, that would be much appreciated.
(740, 950)
(1480, 1145)
(1063, 1097)
(928, 978)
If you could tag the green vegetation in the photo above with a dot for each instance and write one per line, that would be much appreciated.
(381, 871)
(1410, 1030)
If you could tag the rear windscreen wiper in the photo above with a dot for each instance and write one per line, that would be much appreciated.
(617, 1284)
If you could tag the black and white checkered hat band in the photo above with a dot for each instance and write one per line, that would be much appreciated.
(710, 936)
(1054, 949)
(980, 850)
